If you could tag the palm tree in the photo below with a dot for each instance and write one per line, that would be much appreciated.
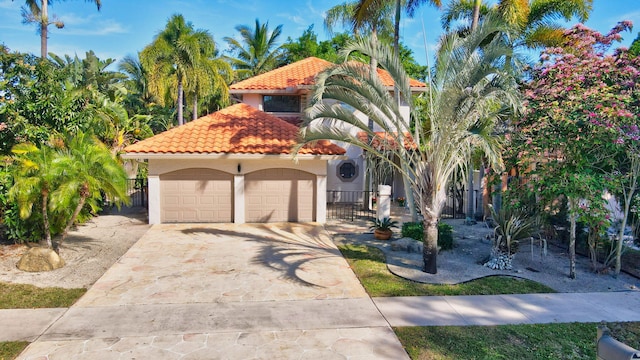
(535, 20)
(37, 11)
(377, 24)
(34, 179)
(210, 77)
(174, 53)
(257, 51)
(90, 170)
(365, 8)
(468, 86)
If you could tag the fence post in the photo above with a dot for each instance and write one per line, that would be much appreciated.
(384, 201)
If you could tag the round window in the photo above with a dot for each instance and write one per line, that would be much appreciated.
(347, 170)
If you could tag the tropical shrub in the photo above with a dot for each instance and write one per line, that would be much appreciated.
(445, 233)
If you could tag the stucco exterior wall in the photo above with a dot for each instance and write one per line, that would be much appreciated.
(237, 167)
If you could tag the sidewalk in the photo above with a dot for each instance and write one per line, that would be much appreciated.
(29, 325)
(510, 309)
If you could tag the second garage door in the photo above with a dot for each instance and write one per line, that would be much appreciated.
(276, 195)
(196, 195)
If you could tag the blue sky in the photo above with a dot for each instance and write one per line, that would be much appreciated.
(124, 27)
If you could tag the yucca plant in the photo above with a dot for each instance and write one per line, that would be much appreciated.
(512, 226)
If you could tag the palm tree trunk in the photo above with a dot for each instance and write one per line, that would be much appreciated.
(83, 198)
(405, 182)
(180, 102)
(45, 218)
(430, 249)
(474, 25)
(396, 28)
(476, 14)
(44, 27)
(470, 216)
(195, 106)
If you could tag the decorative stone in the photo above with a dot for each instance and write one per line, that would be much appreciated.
(407, 244)
(40, 259)
(500, 261)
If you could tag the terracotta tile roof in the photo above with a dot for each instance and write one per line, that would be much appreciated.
(237, 129)
(299, 73)
(383, 140)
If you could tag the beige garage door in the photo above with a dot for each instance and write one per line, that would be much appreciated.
(196, 195)
(275, 195)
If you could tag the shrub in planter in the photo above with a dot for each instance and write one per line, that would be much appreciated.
(445, 233)
(382, 228)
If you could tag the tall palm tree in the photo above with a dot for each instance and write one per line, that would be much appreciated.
(377, 23)
(210, 77)
(535, 20)
(37, 11)
(257, 52)
(90, 170)
(174, 53)
(365, 8)
(468, 86)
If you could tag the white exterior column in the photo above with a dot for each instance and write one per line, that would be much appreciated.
(153, 182)
(321, 199)
(384, 201)
(238, 199)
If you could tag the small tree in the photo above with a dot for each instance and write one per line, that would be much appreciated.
(577, 99)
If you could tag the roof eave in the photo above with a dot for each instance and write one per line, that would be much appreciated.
(219, 156)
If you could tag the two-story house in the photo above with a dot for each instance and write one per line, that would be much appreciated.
(235, 165)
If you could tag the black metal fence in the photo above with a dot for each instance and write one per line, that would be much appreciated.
(350, 205)
(137, 189)
(456, 205)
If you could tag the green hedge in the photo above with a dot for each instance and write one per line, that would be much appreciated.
(445, 233)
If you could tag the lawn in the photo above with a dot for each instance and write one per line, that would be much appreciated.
(20, 296)
(525, 342)
(11, 349)
(539, 341)
(369, 265)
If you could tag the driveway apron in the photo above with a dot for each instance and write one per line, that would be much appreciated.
(224, 291)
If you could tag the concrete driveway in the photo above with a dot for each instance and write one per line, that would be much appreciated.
(195, 291)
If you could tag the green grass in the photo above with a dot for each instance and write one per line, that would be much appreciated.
(20, 296)
(11, 349)
(540, 341)
(369, 265)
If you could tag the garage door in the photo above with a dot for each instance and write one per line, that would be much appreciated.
(275, 195)
(196, 195)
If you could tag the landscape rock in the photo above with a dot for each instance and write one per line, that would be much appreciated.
(38, 259)
(407, 244)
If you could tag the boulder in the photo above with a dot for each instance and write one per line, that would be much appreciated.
(407, 244)
(40, 259)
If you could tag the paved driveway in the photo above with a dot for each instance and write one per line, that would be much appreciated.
(268, 291)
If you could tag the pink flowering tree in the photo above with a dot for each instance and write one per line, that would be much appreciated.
(578, 99)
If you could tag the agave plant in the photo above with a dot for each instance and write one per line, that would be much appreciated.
(512, 226)
(384, 224)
